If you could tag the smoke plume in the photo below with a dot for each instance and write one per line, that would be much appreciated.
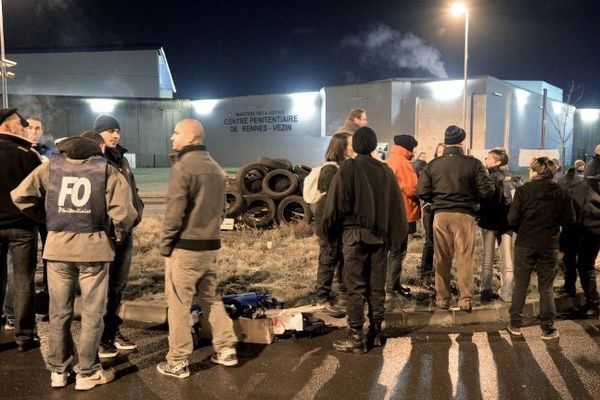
(384, 46)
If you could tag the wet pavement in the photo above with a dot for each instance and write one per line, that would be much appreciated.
(468, 362)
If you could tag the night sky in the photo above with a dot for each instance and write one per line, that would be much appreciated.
(233, 48)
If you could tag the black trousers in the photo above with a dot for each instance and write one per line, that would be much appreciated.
(543, 262)
(365, 271)
(331, 263)
(580, 249)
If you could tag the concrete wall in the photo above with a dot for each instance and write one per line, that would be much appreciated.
(241, 129)
(298, 126)
(125, 73)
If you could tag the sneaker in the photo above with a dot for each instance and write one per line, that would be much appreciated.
(29, 344)
(123, 343)
(107, 350)
(179, 370)
(58, 380)
(550, 333)
(331, 309)
(101, 377)
(9, 325)
(227, 357)
(514, 330)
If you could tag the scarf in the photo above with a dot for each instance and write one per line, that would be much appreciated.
(367, 191)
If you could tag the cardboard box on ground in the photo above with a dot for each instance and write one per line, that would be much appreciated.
(263, 330)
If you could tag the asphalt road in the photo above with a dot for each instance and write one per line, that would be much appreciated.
(470, 362)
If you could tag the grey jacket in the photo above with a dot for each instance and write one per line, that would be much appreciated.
(195, 203)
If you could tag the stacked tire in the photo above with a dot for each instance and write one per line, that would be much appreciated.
(268, 192)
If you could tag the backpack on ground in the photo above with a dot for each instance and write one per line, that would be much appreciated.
(310, 191)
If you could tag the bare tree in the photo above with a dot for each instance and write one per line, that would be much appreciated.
(563, 120)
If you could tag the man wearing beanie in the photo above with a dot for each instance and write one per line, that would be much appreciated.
(400, 162)
(365, 207)
(108, 127)
(454, 184)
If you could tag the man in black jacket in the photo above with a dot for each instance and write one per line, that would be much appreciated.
(18, 233)
(112, 339)
(454, 184)
(593, 166)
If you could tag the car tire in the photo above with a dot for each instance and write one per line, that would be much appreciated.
(234, 203)
(293, 209)
(273, 181)
(247, 175)
(260, 211)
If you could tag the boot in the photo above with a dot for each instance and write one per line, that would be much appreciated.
(353, 343)
(374, 336)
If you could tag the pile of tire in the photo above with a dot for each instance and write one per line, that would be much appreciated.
(268, 192)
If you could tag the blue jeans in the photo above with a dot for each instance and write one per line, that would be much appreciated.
(505, 244)
(118, 276)
(22, 244)
(9, 297)
(63, 278)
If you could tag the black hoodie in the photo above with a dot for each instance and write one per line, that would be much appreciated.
(538, 210)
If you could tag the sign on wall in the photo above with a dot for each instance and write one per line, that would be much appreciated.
(260, 121)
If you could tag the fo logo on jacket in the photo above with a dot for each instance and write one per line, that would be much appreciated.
(72, 186)
(75, 200)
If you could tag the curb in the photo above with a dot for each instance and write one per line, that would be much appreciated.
(156, 312)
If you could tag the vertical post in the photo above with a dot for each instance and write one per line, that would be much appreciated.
(471, 119)
(543, 135)
(3, 64)
(466, 68)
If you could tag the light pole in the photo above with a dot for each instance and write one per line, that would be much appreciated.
(460, 9)
(4, 63)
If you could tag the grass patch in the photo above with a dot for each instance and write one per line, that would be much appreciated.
(281, 260)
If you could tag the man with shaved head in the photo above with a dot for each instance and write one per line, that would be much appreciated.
(190, 241)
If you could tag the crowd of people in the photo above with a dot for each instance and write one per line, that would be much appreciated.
(363, 227)
(82, 200)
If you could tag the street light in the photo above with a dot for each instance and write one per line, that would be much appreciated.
(4, 63)
(461, 9)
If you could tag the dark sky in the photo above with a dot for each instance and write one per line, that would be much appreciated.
(232, 48)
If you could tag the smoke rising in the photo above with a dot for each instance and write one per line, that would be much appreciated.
(384, 46)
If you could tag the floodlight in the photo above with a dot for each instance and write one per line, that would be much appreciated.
(204, 107)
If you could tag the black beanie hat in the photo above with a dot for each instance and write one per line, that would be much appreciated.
(364, 140)
(454, 135)
(406, 141)
(105, 122)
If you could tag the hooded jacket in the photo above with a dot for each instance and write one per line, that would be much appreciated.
(539, 209)
(17, 161)
(116, 157)
(586, 198)
(66, 246)
(399, 162)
